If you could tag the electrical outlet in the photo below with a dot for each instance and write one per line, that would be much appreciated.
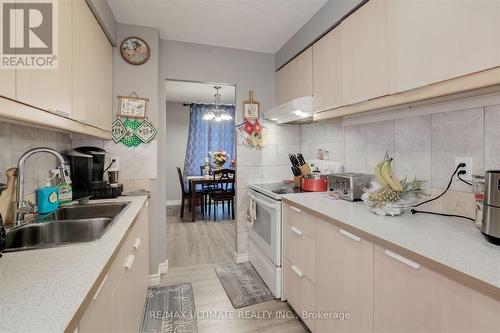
(468, 167)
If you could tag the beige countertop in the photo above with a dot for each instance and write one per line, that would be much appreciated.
(41, 290)
(452, 246)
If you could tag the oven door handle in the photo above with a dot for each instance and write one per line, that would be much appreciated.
(260, 202)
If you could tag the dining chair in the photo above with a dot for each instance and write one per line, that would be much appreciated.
(186, 195)
(224, 192)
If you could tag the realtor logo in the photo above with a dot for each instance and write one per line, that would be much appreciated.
(29, 36)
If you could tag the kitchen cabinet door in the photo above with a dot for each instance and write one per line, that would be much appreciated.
(344, 279)
(294, 80)
(327, 71)
(412, 298)
(8, 79)
(364, 49)
(92, 68)
(51, 89)
(431, 41)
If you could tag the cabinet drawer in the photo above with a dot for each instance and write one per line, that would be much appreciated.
(300, 250)
(299, 291)
(295, 216)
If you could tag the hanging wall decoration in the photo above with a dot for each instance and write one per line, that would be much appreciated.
(130, 139)
(251, 107)
(130, 131)
(251, 135)
(118, 130)
(135, 50)
(145, 132)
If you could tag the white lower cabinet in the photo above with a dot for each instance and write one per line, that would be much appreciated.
(117, 305)
(382, 290)
(412, 298)
(344, 282)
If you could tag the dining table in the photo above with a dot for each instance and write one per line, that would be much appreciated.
(202, 180)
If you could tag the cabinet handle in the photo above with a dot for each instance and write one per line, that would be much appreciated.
(295, 209)
(147, 203)
(297, 231)
(129, 262)
(100, 287)
(402, 259)
(348, 234)
(297, 271)
(137, 244)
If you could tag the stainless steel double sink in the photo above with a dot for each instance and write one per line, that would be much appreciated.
(67, 225)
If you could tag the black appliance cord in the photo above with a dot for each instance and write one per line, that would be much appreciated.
(415, 211)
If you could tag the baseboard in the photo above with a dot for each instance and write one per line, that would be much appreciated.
(173, 203)
(240, 258)
(154, 279)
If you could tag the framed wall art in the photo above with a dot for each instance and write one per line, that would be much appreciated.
(135, 50)
(251, 108)
(132, 106)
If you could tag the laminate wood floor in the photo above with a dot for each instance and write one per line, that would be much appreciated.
(194, 251)
(216, 314)
(198, 243)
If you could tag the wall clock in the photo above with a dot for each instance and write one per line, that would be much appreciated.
(135, 50)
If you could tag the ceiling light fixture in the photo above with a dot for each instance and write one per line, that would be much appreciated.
(216, 112)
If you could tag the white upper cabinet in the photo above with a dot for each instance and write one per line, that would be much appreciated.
(327, 71)
(295, 78)
(92, 69)
(364, 49)
(432, 41)
(50, 89)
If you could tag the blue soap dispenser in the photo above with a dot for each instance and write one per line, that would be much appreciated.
(47, 198)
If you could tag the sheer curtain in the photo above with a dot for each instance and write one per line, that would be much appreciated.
(207, 136)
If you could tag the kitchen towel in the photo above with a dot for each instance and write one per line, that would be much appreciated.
(251, 211)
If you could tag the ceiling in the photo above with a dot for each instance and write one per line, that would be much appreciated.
(256, 25)
(185, 92)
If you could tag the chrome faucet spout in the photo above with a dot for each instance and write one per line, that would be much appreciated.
(22, 206)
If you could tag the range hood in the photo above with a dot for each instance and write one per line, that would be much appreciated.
(299, 110)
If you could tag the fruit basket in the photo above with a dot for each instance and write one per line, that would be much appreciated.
(389, 196)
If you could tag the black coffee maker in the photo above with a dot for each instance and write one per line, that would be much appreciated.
(87, 168)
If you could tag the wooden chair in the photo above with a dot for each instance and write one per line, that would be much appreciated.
(186, 194)
(224, 191)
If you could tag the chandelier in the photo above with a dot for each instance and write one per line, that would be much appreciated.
(216, 113)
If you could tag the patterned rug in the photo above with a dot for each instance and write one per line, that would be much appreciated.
(170, 309)
(243, 285)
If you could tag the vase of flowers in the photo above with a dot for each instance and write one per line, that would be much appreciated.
(219, 158)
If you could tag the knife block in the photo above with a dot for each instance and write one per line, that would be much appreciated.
(297, 181)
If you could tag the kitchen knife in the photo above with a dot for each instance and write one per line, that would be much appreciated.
(301, 159)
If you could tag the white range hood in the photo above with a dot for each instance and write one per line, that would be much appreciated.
(298, 110)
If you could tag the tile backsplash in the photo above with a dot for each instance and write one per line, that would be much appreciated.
(17, 139)
(423, 146)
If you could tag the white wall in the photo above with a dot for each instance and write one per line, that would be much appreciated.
(177, 120)
(248, 71)
(423, 146)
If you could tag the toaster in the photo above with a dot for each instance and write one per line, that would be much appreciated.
(349, 185)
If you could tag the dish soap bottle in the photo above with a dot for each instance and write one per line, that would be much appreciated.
(47, 198)
(65, 190)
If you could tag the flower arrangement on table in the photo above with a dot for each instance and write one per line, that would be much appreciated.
(219, 158)
(388, 195)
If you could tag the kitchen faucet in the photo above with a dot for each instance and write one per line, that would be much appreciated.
(24, 207)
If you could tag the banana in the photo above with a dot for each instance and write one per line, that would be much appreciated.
(388, 175)
(378, 174)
